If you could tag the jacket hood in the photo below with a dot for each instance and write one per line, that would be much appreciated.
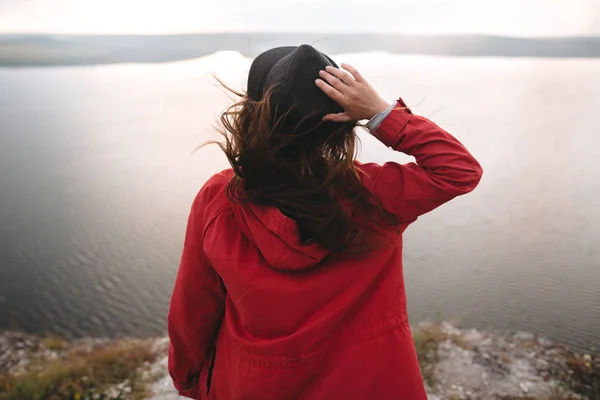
(276, 237)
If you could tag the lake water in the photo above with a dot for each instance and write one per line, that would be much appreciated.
(97, 176)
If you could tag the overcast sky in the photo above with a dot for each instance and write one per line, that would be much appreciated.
(504, 17)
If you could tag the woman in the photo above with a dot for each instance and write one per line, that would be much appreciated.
(291, 284)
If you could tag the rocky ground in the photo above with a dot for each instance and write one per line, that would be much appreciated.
(471, 364)
(19, 349)
(458, 364)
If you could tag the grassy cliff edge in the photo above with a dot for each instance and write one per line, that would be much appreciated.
(464, 364)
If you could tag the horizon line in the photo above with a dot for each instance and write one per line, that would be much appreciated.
(419, 35)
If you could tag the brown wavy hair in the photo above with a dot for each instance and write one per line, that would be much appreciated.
(303, 166)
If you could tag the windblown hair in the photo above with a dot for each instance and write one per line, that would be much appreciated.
(301, 165)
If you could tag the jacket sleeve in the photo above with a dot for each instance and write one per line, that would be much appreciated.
(195, 314)
(444, 168)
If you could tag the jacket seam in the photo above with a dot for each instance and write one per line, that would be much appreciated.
(213, 219)
(350, 339)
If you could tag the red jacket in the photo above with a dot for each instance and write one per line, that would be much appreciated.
(255, 315)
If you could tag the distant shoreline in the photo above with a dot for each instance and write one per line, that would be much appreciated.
(41, 50)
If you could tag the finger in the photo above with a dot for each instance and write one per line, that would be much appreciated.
(340, 117)
(330, 91)
(334, 81)
(342, 75)
(357, 75)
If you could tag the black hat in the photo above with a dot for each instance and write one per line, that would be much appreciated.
(290, 72)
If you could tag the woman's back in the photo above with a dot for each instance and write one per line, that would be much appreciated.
(259, 313)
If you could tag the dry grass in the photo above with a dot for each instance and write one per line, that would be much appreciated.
(556, 393)
(82, 373)
(559, 393)
(584, 374)
(521, 398)
(54, 343)
(427, 340)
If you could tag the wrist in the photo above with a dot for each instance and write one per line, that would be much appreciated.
(380, 107)
(378, 118)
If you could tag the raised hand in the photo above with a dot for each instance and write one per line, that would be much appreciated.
(352, 92)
